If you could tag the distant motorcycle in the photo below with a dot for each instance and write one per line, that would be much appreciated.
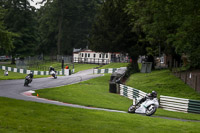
(148, 107)
(53, 74)
(28, 80)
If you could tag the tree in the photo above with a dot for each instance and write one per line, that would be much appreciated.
(171, 25)
(20, 19)
(6, 42)
(112, 32)
(65, 25)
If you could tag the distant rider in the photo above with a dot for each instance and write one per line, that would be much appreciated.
(151, 95)
(31, 76)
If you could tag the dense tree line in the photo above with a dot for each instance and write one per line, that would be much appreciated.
(136, 27)
(55, 28)
(145, 27)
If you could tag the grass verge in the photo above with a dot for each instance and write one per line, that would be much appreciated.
(22, 116)
(164, 82)
(14, 75)
(114, 65)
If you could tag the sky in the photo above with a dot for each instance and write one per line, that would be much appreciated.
(34, 3)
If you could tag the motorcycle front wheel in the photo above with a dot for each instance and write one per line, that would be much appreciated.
(131, 109)
(151, 109)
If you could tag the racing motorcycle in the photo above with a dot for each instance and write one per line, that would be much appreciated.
(28, 80)
(53, 74)
(148, 107)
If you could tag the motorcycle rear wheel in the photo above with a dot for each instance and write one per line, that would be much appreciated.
(26, 83)
(151, 109)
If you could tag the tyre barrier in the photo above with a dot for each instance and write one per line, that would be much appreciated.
(24, 71)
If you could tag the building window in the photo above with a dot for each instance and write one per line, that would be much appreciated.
(94, 55)
(82, 54)
(88, 55)
(99, 55)
(106, 55)
(85, 54)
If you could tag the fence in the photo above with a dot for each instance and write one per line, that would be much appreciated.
(130, 92)
(91, 60)
(190, 78)
(108, 70)
(166, 102)
(179, 104)
(38, 61)
(24, 71)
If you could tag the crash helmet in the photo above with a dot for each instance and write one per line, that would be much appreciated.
(154, 94)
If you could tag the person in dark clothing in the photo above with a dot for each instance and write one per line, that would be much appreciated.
(31, 76)
(51, 69)
(151, 95)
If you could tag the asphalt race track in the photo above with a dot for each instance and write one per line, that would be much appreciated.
(15, 88)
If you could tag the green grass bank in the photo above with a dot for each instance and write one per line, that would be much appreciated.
(95, 93)
(18, 116)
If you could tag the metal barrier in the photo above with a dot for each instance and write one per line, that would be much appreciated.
(179, 104)
(130, 92)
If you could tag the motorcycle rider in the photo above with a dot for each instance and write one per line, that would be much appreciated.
(51, 69)
(151, 95)
(30, 76)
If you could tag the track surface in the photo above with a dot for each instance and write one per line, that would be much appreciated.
(15, 89)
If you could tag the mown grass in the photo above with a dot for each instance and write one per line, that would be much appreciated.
(164, 82)
(95, 93)
(114, 65)
(80, 67)
(22, 116)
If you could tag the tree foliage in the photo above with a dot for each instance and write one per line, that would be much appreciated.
(65, 25)
(173, 25)
(6, 42)
(20, 19)
(112, 31)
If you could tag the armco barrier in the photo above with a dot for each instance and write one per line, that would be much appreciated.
(108, 70)
(130, 92)
(174, 104)
(24, 71)
(179, 104)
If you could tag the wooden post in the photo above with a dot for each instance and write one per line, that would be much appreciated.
(195, 87)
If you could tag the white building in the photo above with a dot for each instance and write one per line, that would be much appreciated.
(89, 56)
